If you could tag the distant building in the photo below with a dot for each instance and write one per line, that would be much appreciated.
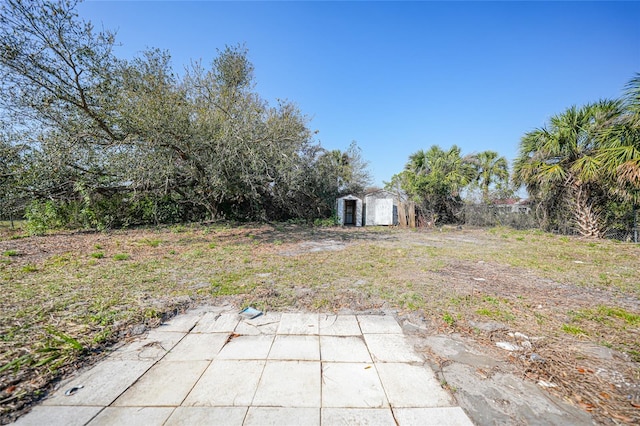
(512, 205)
(380, 208)
(349, 210)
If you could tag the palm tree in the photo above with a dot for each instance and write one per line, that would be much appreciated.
(435, 178)
(490, 168)
(620, 153)
(561, 166)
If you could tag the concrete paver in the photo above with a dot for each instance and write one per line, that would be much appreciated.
(378, 324)
(298, 324)
(167, 383)
(344, 349)
(339, 325)
(53, 415)
(227, 383)
(412, 386)
(357, 416)
(153, 347)
(247, 347)
(450, 416)
(211, 366)
(351, 385)
(147, 416)
(303, 348)
(214, 322)
(264, 324)
(190, 416)
(278, 416)
(391, 348)
(289, 384)
(183, 323)
(101, 385)
(196, 347)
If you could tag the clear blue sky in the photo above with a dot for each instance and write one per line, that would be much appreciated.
(401, 76)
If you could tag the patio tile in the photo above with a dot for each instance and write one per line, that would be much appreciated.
(277, 416)
(226, 383)
(167, 383)
(198, 347)
(143, 416)
(153, 347)
(391, 348)
(377, 324)
(357, 416)
(412, 386)
(298, 324)
(58, 416)
(227, 416)
(303, 348)
(101, 385)
(247, 347)
(339, 325)
(450, 416)
(344, 349)
(183, 323)
(351, 385)
(213, 322)
(265, 324)
(289, 384)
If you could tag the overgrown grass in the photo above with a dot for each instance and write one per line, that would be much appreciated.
(66, 296)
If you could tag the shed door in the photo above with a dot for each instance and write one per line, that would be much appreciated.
(384, 211)
(349, 212)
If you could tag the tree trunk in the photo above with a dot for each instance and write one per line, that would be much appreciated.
(586, 215)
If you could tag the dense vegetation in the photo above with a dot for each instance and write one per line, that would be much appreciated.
(582, 171)
(92, 140)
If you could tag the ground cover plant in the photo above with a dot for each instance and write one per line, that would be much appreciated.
(68, 295)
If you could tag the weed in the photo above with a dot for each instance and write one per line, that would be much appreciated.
(11, 253)
(121, 256)
(150, 242)
(448, 318)
(97, 255)
(97, 247)
(58, 349)
(573, 329)
(29, 267)
(496, 314)
(212, 245)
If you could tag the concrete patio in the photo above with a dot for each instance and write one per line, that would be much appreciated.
(210, 366)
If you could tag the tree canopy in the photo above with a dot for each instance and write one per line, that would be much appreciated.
(114, 142)
(585, 165)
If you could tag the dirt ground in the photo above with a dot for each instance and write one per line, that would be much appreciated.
(509, 320)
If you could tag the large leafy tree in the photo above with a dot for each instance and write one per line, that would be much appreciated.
(434, 179)
(132, 133)
(562, 167)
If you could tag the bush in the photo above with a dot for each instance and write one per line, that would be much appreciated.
(43, 216)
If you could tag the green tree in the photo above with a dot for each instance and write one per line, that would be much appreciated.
(561, 166)
(434, 179)
(620, 146)
(491, 169)
(113, 139)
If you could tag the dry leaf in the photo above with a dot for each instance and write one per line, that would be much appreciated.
(621, 417)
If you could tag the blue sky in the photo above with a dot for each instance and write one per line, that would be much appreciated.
(401, 76)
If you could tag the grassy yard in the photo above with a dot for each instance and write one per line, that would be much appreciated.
(68, 295)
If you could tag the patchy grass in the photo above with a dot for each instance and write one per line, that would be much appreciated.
(60, 304)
